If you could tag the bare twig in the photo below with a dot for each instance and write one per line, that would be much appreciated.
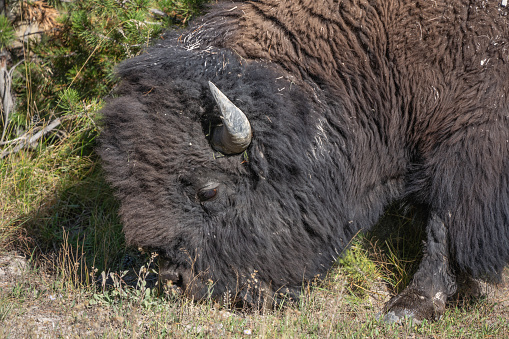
(29, 141)
(21, 138)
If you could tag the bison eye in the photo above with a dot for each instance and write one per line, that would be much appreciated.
(207, 193)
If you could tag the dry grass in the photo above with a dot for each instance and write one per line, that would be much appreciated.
(34, 304)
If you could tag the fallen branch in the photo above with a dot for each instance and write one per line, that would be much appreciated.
(29, 140)
(21, 138)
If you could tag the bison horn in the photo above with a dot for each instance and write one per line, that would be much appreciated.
(234, 135)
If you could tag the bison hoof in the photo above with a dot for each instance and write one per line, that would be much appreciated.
(415, 306)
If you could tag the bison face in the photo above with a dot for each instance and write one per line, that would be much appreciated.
(227, 214)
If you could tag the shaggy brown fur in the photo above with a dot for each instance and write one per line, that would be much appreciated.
(436, 63)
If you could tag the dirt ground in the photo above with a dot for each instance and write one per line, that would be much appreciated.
(32, 306)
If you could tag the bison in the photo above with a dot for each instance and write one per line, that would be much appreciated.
(250, 148)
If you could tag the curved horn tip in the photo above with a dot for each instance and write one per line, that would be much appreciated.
(235, 134)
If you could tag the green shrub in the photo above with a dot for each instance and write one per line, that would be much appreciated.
(7, 33)
(91, 38)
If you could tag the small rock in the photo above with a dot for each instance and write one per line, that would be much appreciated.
(12, 265)
(226, 314)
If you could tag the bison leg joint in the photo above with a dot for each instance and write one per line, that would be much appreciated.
(433, 283)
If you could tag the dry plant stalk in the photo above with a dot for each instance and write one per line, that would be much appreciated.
(71, 262)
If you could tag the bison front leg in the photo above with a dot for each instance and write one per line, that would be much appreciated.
(433, 283)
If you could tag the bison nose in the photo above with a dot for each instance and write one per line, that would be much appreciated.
(168, 272)
(174, 277)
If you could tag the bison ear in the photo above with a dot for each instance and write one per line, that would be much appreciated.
(234, 135)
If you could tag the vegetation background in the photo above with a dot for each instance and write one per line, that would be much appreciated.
(64, 267)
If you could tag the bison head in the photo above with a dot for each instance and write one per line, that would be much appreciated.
(246, 215)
